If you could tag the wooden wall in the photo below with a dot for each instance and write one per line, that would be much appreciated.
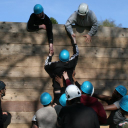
(104, 62)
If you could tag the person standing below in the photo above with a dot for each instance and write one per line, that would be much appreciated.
(85, 18)
(65, 63)
(46, 116)
(75, 114)
(39, 20)
(5, 117)
(113, 103)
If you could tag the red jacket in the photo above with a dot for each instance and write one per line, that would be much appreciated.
(96, 106)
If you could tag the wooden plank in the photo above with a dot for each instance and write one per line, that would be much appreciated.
(25, 94)
(27, 71)
(19, 125)
(6, 71)
(39, 83)
(60, 29)
(29, 49)
(21, 106)
(38, 61)
(22, 117)
(41, 38)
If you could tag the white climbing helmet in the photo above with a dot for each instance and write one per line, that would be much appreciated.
(72, 91)
(83, 9)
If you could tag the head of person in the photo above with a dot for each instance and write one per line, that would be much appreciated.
(39, 10)
(124, 105)
(63, 100)
(119, 92)
(64, 55)
(82, 10)
(87, 88)
(2, 88)
(73, 94)
(45, 99)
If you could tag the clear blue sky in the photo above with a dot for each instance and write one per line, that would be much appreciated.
(20, 10)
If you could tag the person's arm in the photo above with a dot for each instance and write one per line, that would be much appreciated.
(94, 22)
(60, 81)
(102, 97)
(49, 65)
(31, 24)
(71, 20)
(66, 77)
(49, 29)
(74, 79)
(110, 107)
(113, 106)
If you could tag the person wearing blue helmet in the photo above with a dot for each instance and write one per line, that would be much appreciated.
(113, 103)
(5, 117)
(65, 63)
(39, 20)
(124, 111)
(46, 114)
(63, 100)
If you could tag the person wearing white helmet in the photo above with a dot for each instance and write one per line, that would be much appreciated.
(46, 116)
(39, 20)
(75, 114)
(85, 18)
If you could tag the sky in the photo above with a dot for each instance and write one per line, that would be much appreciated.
(20, 10)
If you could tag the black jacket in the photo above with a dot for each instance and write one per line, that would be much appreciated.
(58, 67)
(34, 22)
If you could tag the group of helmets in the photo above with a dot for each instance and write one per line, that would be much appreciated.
(82, 9)
(72, 91)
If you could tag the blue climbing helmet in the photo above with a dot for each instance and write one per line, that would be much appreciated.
(38, 9)
(64, 55)
(121, 90)
(87, 88)
(45, 98)
(124, 103)
(63, 99)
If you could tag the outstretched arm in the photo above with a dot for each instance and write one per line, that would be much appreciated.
(71, 20)
(110, 107)
(102, 97)
(48, 64)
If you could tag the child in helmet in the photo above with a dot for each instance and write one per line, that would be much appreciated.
(46, 116)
